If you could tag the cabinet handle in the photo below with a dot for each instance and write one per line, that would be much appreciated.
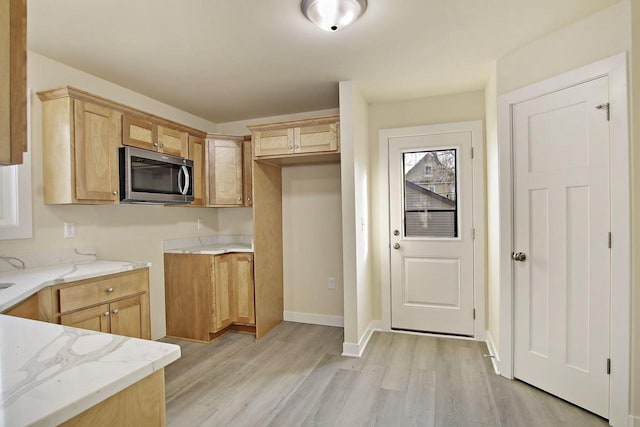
(114, 192)
(109, 290)
(290, 147)
(249, 260)
(115, 311)
(155, 144)
(240, 199)
(248, 199)
(106, 314)
(297, 146)
(161, 145)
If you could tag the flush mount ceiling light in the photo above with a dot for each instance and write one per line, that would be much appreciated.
(333, 15)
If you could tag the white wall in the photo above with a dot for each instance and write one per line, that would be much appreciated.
(635, 187)
(424, 111)
(358, 309)
(311, 228)
(125, 232)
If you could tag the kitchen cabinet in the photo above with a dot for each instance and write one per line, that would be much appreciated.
(228, 171)
(301, 141)
(196, 153)
(118, 304)
(81, 133)
(27, 309)
(247, 171)
(149, 135)
(13, 81)
(209, 295)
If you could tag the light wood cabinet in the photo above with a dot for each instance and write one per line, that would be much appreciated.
(118, 304)
(208, 295)
(228, 171)
(148, 135)
(27, 309)
(13, 81)
(196, 153)
(247, 172)
(301, 141)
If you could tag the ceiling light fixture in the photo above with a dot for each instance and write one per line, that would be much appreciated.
(333, 15)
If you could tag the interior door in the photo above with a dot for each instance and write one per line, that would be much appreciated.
(562, 223)
(431, 216)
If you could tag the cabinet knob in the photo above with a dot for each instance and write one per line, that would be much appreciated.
(114, 192)
(109, 290)
(290, 147)
(155, 144)
(115, 311)
(106, 314)
(240, 199)
(248, 199)
(161, 145)
(297, 146)
(249, 260)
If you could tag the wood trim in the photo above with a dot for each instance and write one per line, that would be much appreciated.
(243, 329)
(268, 270)
(18, 77)
(226, 137)
(295, 123)
(247, 172)
(141, 404)
(72, 92)
(300, 159)
(58, 147)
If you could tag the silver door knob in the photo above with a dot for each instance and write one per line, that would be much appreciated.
(396, 233)
(114, 192)
(155, 144)
(518, 256)
(396, 246)
(106, 314)
(115, 311)
(109, 290)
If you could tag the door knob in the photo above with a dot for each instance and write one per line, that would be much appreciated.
(396, 246)
(396, 233)
(518, 256)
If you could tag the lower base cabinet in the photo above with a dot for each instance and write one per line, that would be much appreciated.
(206, 294)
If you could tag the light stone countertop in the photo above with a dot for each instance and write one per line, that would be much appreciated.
(50, 373)
(209, 245)
(54, 268)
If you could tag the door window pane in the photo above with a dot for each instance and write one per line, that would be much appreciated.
(430, 194)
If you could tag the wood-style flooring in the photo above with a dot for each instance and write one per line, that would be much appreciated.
(295, 376)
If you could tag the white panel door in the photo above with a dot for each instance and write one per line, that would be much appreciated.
(562, 223)
(431, 214)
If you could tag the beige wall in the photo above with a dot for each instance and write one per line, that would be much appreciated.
(635, 188)
(126, 232)
(311, 228)
(425, 111)
(598, 36)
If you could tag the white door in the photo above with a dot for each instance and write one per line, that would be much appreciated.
(431, 214)
(562, 224)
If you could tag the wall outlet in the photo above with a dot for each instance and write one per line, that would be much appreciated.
(199, 223)
(69, 230)
(331, 283)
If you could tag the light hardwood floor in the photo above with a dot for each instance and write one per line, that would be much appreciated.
(295, 376)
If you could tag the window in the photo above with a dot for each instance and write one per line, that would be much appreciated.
(428, 170)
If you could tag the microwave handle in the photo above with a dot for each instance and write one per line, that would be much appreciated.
(183, 171)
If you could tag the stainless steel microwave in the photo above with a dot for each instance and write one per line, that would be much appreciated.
(151, 177)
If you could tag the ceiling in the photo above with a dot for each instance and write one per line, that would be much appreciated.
(227, 60)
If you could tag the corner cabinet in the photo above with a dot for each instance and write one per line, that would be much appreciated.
(209, 295)
(13, 81)
(81, 134)
(302, 141)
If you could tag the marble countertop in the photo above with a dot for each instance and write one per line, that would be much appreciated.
(50, 373)
(209, 245)
(66, 266)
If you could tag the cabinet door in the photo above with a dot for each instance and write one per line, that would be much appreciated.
(225, 172)
(196, 153)
(247, 173)
(94, 318)
(313, 139)
(139, 133)
(243, 291)
(130, 317)
(273, 142)
(97, 137)
(223, 295)
(172, 141)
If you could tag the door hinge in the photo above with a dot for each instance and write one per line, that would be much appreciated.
(608, 366)
(474, 314)
(472, 152)
(606, 106)
(609, 240)
(473, 234)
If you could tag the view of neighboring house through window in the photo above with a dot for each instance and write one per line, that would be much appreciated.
(430, 202)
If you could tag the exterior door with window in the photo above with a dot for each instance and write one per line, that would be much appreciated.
(431, 216)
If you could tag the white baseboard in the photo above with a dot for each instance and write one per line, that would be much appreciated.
(356, 350)
(495, 359)
(634, 421)
(314, 319)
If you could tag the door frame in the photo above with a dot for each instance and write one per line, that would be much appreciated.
(479, 223)
(615, 68)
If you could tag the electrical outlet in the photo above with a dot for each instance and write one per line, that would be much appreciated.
(199, 223)
(69, 230)
(331, 282)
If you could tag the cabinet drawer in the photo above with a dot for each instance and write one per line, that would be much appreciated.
(101, 291)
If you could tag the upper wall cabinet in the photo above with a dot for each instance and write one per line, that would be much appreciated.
(301, 141)
(146, 134)
(195, 152)
(81, 134)
(13, 81)
(228, 171)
